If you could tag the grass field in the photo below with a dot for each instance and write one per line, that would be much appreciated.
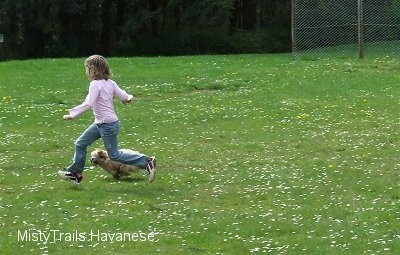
(256, 155)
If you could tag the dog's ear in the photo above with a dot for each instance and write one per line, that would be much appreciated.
(102, 154)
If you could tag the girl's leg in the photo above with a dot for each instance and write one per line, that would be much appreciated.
(109, 133)
(90, 135)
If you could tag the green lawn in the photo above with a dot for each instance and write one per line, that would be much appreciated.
(256, 154)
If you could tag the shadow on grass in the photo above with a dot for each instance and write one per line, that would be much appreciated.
(82, 187)
(78, 188)
(125, 179)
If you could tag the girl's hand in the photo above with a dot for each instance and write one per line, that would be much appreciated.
(67, 117)
(129, 100)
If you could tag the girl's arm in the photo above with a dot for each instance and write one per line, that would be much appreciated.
(121, 94)
(86, 105)
(77, 110)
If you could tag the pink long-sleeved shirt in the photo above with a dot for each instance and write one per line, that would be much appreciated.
(100, 99)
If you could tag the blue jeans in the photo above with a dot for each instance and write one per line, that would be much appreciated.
(109, 133)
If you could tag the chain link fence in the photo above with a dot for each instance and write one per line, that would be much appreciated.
(325, 28)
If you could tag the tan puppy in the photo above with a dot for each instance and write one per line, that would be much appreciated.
(116, 169)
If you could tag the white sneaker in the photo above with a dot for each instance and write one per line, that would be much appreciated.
(151, 169)
(73, 177)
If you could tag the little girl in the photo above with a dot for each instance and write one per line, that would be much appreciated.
(102, 90)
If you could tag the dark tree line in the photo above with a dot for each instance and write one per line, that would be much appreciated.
(68, 28)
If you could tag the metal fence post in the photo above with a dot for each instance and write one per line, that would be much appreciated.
(1, 46)
(361, 32)
(293, 20)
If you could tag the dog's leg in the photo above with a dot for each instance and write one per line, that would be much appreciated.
(110, 171)
(116, 176)
(124, 170)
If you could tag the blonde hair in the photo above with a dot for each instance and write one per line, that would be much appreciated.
(97, 68)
